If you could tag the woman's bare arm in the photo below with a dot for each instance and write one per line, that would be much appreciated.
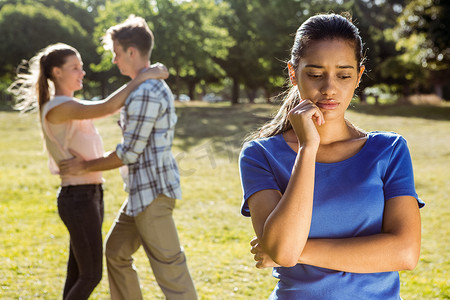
(82, 110)
(396, 248)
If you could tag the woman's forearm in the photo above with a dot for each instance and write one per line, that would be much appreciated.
(117, 99)
(377, 253)
(396, 248)
(286, 229)
(83, 110)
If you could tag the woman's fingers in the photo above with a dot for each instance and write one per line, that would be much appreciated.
(306, 108)
(304, 117)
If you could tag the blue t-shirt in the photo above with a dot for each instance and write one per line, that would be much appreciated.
(349, 199)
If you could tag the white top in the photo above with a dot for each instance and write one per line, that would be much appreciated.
(78, 135)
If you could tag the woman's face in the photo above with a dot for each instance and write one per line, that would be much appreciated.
(328, 76)
(70, 75)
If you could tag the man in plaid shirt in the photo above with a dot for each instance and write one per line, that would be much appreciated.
(150, 174)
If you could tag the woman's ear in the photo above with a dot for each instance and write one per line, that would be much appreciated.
(361, 72)
(56, 72)
(292, 76)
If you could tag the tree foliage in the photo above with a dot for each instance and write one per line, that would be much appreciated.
(422, 30)
(423, 44)
(27, 28)
(187, 38)
(246, 42)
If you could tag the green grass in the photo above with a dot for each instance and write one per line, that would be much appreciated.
(34, 241)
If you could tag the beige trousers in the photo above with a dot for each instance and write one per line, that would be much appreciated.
(155, 230)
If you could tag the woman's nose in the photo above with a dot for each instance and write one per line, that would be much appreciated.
(329, 86)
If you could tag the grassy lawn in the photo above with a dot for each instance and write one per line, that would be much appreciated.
(34, 241)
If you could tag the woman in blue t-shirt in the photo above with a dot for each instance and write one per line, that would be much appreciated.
(334, 208)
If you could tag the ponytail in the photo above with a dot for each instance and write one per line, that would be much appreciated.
(42, 86)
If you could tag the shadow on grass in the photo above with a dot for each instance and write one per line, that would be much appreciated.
(414, 111)
(5, 106)
(221, 126)
(207, 129)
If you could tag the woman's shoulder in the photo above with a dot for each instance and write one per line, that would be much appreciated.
(388, 136)
(386, 139)
(267, 143)
(54, 102)
(57, 100)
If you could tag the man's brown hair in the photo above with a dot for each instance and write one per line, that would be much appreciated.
(133, 32)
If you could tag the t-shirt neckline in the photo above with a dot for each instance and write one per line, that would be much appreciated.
(347, 160)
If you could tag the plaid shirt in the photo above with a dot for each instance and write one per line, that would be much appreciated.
(148, 122)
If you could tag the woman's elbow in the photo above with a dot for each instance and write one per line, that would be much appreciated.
(410, 262)
(285, 253)
(285, 258)
(285, 262)
(410, 257)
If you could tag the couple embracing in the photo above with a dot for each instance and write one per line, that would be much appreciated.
(144, 156)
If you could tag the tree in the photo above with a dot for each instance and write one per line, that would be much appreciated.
(105, 73)
(27, 26)
(422, 37)
(277, 23)
(264, 33)
(242, 60)
(186, 37)
(25, 29)
(190, 40)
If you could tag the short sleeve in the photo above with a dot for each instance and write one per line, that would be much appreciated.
(255, 173)
(399, 176)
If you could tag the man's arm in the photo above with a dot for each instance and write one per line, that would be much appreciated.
(141, 116)
(78, 165)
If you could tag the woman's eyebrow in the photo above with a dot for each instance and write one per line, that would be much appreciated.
(346, 67)
(75, 64)
(321, 67)
(314, 66)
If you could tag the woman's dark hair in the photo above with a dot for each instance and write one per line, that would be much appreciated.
(32, 87)
(317, 28)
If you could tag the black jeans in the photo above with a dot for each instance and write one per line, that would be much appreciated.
(81, 209)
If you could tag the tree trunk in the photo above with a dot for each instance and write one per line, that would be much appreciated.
(267, 95)
(251, 94)
(103, 88)
(235, 94)
(177, 82)
(361, 95)
(439, 90)
(191, 92)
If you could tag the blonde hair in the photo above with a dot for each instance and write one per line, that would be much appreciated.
(34, 83)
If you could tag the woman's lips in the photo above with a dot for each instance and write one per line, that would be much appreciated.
(327, 104)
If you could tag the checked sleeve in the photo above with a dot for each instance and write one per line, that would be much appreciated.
(141, 114)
